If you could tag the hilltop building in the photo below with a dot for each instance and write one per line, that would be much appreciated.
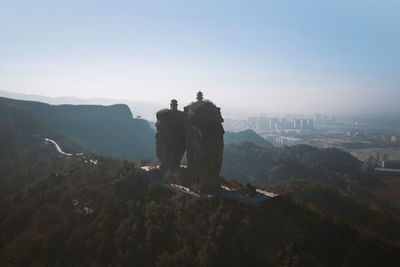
(173, 105)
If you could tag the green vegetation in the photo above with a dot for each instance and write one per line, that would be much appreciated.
(351, 206)
(105, 130)
(136, 223)
(245, 136)
(247, 162)
(17, 130)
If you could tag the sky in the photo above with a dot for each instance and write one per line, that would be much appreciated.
(273, 56)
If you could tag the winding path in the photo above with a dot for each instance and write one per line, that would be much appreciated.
(59, 148)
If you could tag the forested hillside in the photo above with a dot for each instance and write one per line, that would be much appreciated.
(245, 136)
(17, 130)
(247, 162)
(59, 211)
(106, 130)
(353, 205)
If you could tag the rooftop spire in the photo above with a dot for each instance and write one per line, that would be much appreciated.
(199, 96)
(174, 104)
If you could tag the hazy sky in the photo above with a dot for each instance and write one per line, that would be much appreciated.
(280, 55)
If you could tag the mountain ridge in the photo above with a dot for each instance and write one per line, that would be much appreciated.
(107, 130)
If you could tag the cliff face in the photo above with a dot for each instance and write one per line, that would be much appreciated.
(205, 144)
(170, 140)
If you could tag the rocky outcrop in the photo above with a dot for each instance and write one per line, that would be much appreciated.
(199, 131)
(204, 143)
(170, 140)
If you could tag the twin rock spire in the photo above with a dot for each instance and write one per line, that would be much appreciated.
(198, 131)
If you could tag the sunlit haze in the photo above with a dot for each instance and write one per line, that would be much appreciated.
(270, 56)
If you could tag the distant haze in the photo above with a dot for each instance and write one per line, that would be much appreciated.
(146, 110)
(246, 56)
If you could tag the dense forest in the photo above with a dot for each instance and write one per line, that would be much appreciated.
(247, 162)
(59, 211)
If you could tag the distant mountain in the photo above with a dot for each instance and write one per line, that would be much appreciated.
(143, 109)
(245, 136)
(106, 130)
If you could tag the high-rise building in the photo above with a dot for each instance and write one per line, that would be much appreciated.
(263, 123)
(317, 117)
(273, 123)
(296, 124)
(253, 123)
(310, 123)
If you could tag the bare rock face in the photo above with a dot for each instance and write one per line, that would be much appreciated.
(204, 136)
(170, 140)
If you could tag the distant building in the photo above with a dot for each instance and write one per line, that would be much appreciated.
(303, 124)
(283, 140)
(296, 124)
(393, 139)
(173, 105)
(253, 123)
(263, 123)
(273, 123)
(310, 124)
(317, 117)
(391, 164)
